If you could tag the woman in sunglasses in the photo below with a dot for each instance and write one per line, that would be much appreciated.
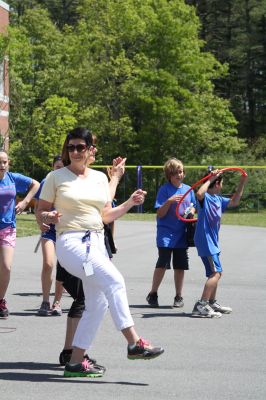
(72, 284)
(82, 202)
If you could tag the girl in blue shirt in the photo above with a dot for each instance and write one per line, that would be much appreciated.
(10, 184)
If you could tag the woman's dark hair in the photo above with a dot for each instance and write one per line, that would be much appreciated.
(77, 133)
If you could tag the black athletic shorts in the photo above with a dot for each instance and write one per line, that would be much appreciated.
(179, 258)
(109, 241)
(73, 286)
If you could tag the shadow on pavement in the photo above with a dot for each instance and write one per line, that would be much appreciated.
(149, 307)
(158, 314)
(29, 365)
(28, 294)
(42, 377)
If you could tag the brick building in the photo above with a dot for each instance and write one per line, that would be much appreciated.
(4, 86)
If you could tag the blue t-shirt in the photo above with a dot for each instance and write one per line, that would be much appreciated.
(37, 196)
(209, 220)
(10, 185)
(170, 230)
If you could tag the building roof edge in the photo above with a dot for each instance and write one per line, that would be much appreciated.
(4, 5)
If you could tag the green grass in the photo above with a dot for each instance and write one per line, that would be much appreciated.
(247, 219)
(27, 226)
(229, 218)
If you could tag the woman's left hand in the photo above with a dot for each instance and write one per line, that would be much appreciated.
(54, 217)
(50, 217)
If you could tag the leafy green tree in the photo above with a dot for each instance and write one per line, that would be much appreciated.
(51, 122)
(135, 72)
(35, 52)
(144, 82)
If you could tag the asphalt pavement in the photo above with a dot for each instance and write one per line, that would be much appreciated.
(204, 359)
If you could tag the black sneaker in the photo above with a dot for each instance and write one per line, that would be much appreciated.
(152, 299)
(65, 357)
(84, 369)
(3, 309)
(143, 350)
(45, 309)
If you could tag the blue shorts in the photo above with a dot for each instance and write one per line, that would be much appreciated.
(49, 235)
(212, 264)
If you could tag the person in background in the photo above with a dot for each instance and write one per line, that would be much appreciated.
(82, 201)
(11, 183)
(48, 239)
(114, 174)
(171, 232)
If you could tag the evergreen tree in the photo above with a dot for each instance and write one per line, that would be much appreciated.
(234, 32)
(62, 12)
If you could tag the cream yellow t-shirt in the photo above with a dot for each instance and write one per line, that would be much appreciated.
(80, 201)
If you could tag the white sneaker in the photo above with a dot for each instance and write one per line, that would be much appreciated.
(178, 302)
(217, 307)
(203, 310)
(56, 309)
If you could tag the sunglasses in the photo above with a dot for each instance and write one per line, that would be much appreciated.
(79, 147)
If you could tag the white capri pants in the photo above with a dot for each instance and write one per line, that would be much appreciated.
(106, 287)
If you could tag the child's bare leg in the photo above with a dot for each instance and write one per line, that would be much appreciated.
(157, 279)
(48, 251)
(58, 291)
(210, 288)
(179, 280)
(6, 258)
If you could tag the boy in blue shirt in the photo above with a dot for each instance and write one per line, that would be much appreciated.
(210, 207)
(171, 232)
